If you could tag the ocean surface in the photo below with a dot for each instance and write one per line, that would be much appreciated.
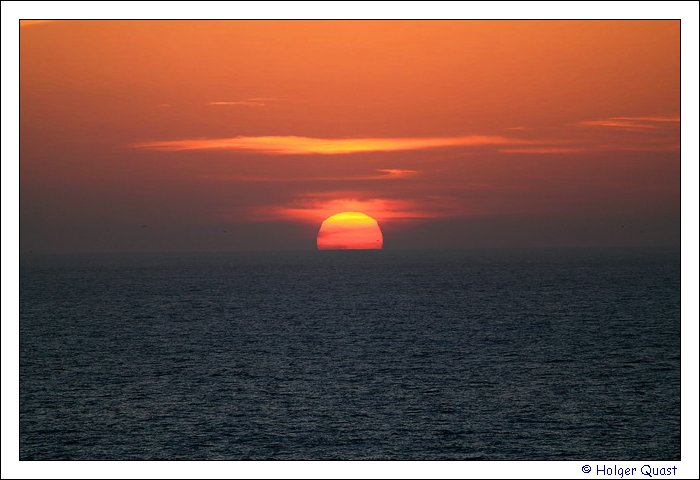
(475, 355)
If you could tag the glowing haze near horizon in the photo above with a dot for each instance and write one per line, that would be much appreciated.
(238, 135)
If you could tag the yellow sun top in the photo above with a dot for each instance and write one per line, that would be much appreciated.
(351, 217)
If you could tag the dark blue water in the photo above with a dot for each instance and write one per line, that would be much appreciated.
(546, 355)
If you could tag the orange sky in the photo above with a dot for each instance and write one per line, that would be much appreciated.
(227, 135)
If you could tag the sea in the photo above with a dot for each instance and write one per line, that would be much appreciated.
(523, 354)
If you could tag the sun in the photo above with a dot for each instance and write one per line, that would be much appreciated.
(350, 231)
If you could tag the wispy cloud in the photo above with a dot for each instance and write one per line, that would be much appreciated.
(395, 173)
(293, 145)
(544, 150)
(382, 174)
(642, 147)
(314, 209)
(241, 103)
(647, 133)
(661, 126)
(659, 119)
(248, 102)
(632, 123)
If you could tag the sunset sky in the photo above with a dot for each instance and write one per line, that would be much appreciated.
(246, 135)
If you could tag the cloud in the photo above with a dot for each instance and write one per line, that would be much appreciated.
(661, 119)
(632, 123)
(395, 173)
(647, 133)
(249, 102)
(294, 145)
(315, 209)
(384, 174)
(661, 126)
(243, 103)
(643, 147)
(544, 150)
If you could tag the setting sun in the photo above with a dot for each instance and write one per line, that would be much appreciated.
(350, 231)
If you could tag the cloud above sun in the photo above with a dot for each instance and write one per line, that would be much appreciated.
(313, 208)
(382, 174)
(297, 145)
(649, 131)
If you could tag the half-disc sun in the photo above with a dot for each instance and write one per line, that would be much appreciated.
(350, 231)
